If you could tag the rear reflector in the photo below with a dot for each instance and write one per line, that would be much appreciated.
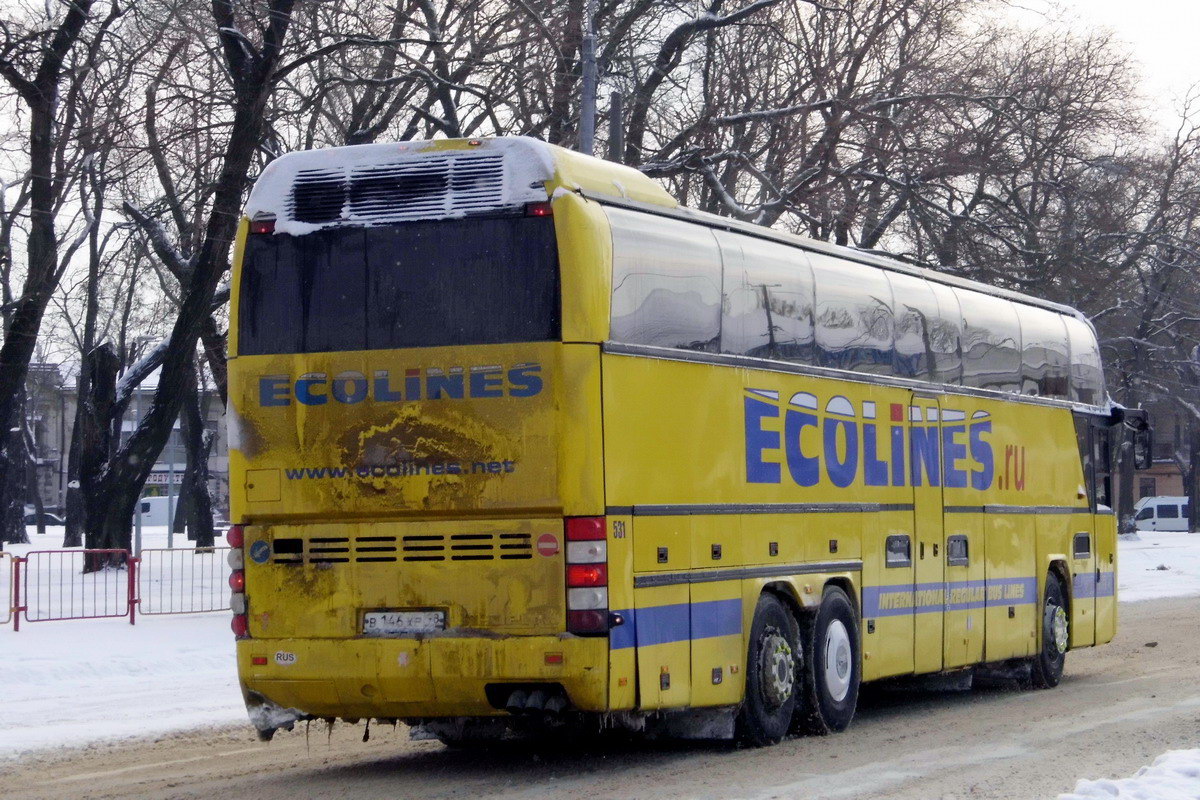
(259, 661)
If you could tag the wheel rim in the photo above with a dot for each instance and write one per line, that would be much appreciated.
(777, 673)
(1059, 628)
(838, 663)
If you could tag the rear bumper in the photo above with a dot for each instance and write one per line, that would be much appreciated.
(433, 677)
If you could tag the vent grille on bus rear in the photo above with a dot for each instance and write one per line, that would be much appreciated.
(425, 188)
(389, 549)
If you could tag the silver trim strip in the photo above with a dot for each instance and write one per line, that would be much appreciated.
(680, 509)
(738, 573)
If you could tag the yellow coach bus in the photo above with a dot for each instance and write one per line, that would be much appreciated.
(516, 440)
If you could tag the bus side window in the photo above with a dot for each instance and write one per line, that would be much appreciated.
(947, 339)
(1045, 359)
(666, 282)
(991, 342)
(920, 336)
(854, 327)
(768, 308)
(1087, 376)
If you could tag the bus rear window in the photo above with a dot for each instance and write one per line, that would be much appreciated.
(414, 284)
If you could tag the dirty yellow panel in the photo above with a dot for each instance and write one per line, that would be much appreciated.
(663, 630)
(718, 643)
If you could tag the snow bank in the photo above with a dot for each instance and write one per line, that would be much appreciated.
(1139, 566)
(1175, 775)
(70, 683)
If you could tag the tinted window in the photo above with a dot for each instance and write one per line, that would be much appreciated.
(1087, 376)
(947, 340)
(416, 284)
(853, 315)
(1045, 361)
(926, 337)
(1168, 512)
(768, 309)
(666, 282)
(991, 342)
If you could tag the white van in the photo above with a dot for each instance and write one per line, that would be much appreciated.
(1161, 514)
(155, 510)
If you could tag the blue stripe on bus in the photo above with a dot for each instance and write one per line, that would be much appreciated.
(679, 622)
(682, 622)
(924, 598)
(1088, 585)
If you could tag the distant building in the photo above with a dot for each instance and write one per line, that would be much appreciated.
(1170, 446)
(50, 411)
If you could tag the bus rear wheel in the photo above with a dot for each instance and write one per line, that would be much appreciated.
(772, 676)
(1047, 665)
(832, 672)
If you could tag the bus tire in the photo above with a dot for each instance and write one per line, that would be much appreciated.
(772, 675)
(832, 670)
(1047, 666)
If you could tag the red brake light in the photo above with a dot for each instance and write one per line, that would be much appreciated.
(542, 209)
(586, 529)
(237, 580)
(240, 626)
(587, 575)
(236, 536)
(262, 226)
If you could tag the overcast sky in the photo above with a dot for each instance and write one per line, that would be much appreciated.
(1161, 34)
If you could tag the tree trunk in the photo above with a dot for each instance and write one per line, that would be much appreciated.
(13, 488)
(95, 435)
(197, 508)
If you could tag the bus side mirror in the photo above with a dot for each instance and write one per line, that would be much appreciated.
(1143, 448)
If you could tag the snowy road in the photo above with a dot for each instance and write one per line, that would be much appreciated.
(1118, 708)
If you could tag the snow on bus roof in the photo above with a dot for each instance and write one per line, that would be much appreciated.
(528, 164)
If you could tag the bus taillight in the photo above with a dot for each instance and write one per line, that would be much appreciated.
(236, 536)
(587, 575)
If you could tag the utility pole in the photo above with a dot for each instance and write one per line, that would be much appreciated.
(587, 104)
(137, 511)
(616, 128)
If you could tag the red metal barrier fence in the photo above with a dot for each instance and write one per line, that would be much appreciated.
(46, 585)
(8, 571)
(52, 585)
(183, 581)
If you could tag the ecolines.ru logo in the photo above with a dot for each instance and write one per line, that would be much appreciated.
(431, 383)
(847, 441)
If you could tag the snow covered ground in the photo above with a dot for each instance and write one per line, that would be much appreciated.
(70, 683)
(1175, 775)
(1140, 569)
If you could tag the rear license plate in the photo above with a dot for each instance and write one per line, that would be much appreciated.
(402, 623)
